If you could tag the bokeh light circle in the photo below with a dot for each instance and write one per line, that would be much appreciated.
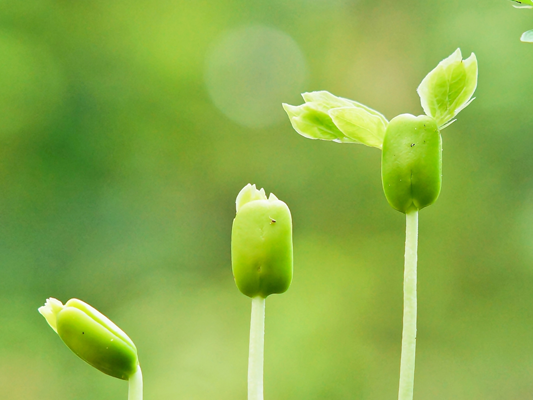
(250, 71)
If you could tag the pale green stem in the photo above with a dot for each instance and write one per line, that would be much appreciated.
(257, 346)
(135, 385)
(407, 366)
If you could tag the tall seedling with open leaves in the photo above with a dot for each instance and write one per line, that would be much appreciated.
(411, 162)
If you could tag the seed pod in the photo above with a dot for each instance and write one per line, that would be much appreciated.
(92, 336)
(411, 163)
(261, 244)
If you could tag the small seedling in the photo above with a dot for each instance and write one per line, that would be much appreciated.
(411, 162)
(261, 257)
(96, 340)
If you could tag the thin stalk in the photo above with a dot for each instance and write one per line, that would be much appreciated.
(257, 347)
(135, 385)
(407, 365)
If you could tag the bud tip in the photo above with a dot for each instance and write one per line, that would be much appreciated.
(249, 193)
(50, 310)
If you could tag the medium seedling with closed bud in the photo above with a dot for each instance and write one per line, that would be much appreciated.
(261, 257)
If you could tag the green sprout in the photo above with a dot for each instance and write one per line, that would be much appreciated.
(527, 36)
(96, 340)
(261, 257)
(411, 162)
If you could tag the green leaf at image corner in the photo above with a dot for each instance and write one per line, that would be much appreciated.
(448, 88)
(527, 36)
(523, 4)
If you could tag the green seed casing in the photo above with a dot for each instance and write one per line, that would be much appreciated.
(261, 247)
(92, 336)
(411, 163)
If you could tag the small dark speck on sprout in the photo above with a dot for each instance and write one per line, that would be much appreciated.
(412, 144)
(83, 333)
(272, 221)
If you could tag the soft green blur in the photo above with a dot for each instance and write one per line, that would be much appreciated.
(125, 133)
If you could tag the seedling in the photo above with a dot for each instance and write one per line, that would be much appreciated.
(261, 256)
(411, 162)
(96, 340)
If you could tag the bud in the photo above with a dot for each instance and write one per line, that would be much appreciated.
(261, 244)
(411, 163)
(92, 336)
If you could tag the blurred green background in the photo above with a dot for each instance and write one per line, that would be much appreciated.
(127, 128)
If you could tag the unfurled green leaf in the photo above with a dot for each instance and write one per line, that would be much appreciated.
(527, 36)
(328, 117)
(448, 89)
(309, 121)
(360, 125)
(326, 101)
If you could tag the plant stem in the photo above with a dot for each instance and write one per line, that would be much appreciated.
(135, 385)
(407, 365)
(257, 347)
